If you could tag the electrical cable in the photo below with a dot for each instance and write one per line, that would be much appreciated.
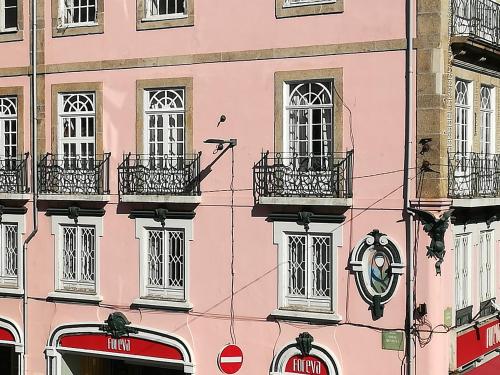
(231, 309)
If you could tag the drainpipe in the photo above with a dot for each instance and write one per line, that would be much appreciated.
(34, 175)
(409, 350)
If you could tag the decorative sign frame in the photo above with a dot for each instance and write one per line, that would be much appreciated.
(377, 266)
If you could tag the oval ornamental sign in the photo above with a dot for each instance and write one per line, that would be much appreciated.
(309, 365)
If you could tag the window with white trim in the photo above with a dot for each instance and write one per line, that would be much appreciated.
(309, 270)
(463, 116)
(160, 9)
(164, 262)
(9, 254)
(8, 130)
(165, 265)
(486, 265)
(487, 100)
(8, 15)
(164, 122)
(78, 12)
(463, 295)
(307, 2)
(308, 123)
(78, 256)
(77, 133)
(11, 261)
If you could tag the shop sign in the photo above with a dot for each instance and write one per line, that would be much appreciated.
(123, 345)
(476, 342)
(308, 364)
(6, 335)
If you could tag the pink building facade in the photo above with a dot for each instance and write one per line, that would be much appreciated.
(209, 174)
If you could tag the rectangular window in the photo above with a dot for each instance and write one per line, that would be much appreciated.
(164, 122)
(463, 116)
(77, 133)
(78, 12)
(8, 15)
(487, 265)
(306, 2)
(165, 8)
(8, 130)
(8, 254)
(309, 270)
(78, 255)
(165, 264)
(462, 271)
(487, 99)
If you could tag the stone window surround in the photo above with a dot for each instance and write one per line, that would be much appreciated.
(58, 293)
(18, 92)
(142, 23)
(95, 87)
(15, 35)
(477, 80)
(283, 11)
(58, 31)
(187, 84)
(280, 78)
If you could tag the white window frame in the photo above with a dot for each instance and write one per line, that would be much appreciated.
(148, 16)
(463, 271)
(62, 15)
(167, 298)
(309, 309)
(298, 3)
(3, 29)
(77, 116)
(4, 117)
(83, 293)
(488, 114)
(10, 285)
(487, 265)
(167, 112)
(287, 108)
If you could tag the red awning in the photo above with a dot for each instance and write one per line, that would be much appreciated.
(492, 367)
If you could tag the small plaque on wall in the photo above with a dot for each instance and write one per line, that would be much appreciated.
(392, 340)
(447, 318)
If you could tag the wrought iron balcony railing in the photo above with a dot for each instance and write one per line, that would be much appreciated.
(473, 175)
(477, 19)
(59, 174)
(294, 175)
(14, 174)
(159, 175)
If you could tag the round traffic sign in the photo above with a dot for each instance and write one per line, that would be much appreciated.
(230, 359)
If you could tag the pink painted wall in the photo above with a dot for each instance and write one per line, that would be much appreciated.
(244, 92)
(226, 26)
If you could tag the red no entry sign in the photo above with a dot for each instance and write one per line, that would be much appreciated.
(230, 359)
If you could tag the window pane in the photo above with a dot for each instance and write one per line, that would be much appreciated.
(10, 250)
(155, 258)
(11, 17)
(87, 254)
(296, 265)
(321, 266)
(176, 259)
(69, 253)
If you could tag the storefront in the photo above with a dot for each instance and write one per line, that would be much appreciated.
(116, 348)
(477, 349)
(305, 357)
(11, 348)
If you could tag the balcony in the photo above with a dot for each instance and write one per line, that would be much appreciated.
(477, 20)
(293, 179)
(474, 175)
(73, 178)
(168, 179)
(14, 177)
